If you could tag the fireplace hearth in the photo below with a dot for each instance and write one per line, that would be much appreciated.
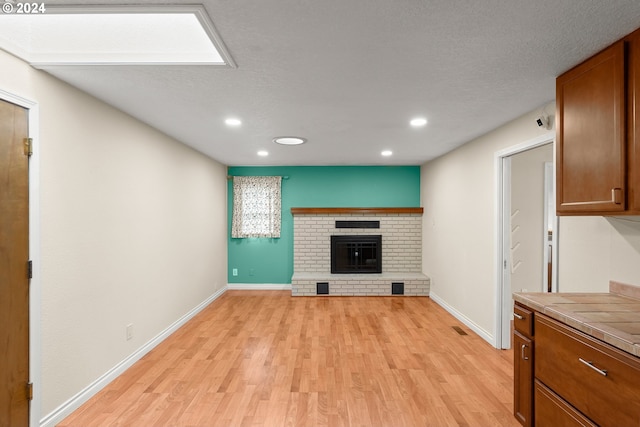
(356, 254)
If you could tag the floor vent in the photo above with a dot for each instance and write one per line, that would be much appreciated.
(459, 330)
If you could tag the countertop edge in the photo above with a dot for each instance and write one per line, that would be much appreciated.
(546, 304)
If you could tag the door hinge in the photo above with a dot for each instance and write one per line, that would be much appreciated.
(29, 391)
(30, 269)
(28, 146)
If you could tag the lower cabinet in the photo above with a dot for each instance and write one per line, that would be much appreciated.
(600, 381)
(574, 379)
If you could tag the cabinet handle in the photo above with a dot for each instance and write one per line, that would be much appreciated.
(616, 195)
(616, 198)
(517, 316)
(522, 355)
(602, 372)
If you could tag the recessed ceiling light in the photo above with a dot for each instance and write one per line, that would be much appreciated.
(233, 121)
(289, 140)
(263, 153)
(387, 153)
(418, 122)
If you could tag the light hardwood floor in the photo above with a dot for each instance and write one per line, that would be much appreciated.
(264, 358)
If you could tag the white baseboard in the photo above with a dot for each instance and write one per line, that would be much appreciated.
(464, 319)
(64, 410)
(259, 286)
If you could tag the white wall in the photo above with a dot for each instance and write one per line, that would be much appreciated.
(594, 250)
(458, 195)
(459, 236)
(133, 231)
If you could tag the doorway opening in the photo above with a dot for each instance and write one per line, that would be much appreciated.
(526, 229)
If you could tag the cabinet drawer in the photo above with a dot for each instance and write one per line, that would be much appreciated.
(523, 320)
(552, 411)
(599, 380)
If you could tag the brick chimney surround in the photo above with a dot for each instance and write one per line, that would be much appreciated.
(401, 230)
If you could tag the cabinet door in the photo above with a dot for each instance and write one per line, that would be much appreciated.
(553, 411)
(591, 145)
(633, 129)
(523, 379)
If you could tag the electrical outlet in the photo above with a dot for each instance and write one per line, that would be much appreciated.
(129, 331)
(235, 272)
(252, 271)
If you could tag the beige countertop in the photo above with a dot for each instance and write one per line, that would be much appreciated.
(613, 317)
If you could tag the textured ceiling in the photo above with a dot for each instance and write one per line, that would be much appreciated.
(349, 74)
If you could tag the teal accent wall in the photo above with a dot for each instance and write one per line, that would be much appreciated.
(261, 260)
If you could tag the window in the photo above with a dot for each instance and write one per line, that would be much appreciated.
(256, 206)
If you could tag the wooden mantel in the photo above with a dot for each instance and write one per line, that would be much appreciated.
(346, 211)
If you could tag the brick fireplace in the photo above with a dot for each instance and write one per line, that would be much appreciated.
(401, 238)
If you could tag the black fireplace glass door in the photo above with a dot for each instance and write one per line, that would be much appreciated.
(356, 254)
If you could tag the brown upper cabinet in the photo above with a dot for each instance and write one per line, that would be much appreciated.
(598, 127)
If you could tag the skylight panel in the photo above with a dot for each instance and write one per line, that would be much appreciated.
(114, 35)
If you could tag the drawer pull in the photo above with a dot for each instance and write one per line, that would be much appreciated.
(591, 365)
(522, 355)
(517, 316)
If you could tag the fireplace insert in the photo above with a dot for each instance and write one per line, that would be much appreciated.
(356, 254)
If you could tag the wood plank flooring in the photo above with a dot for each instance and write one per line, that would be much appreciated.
(264, 358)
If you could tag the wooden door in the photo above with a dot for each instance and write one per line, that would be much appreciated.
(14, 276)
(591, 144)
